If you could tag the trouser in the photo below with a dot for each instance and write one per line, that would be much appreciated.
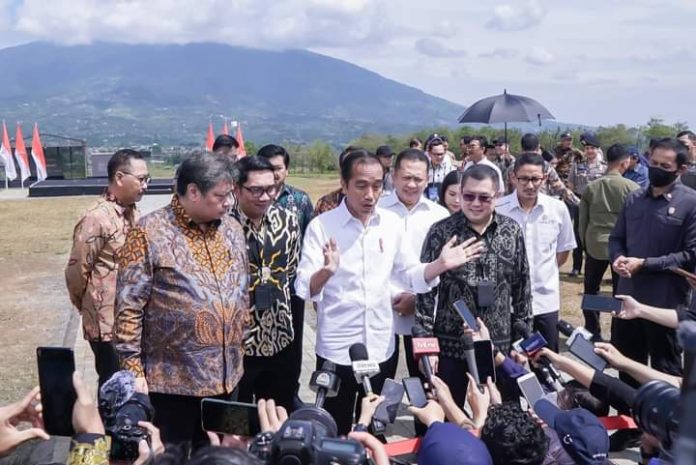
(637, 339)
(105, 360)
(270, 378)
(179, 419)
(594, 272)
(545, 324)
(577, 252)
(347, 402)
(297, 307)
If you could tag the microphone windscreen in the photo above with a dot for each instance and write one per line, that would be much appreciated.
(522, 329)
(418, 331)
(357, 352)
(565, 328)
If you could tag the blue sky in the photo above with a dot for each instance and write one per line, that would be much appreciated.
(595, 62)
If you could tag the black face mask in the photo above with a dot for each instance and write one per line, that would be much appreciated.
(661, 178)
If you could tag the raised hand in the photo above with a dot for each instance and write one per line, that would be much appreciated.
(23, 410)
(332, 257)
(453, 256)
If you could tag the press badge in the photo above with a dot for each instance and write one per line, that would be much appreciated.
(263, 296)
(432, 193)
(485, 294)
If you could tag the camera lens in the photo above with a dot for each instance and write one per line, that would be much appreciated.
(656, 411)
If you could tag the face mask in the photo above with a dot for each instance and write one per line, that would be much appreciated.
(659, 177)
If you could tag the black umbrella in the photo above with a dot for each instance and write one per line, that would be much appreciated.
(505, 108)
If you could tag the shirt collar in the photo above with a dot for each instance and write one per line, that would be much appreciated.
(346, 216)
(465, 222)
(121, 209)
(246, 221)
(183, 219)
(667, 194)
(541, 201)
(392, 199)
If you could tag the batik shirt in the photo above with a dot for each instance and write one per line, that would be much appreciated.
(298, 202)
(273, 251)
(329, 202)
(182, 303)
(503, 263)
(90, 275)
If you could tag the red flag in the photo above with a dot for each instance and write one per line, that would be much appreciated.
(37, 153)
(225, 128)
(210, 139)
(21, 154)
(241, 151)
(6, 155)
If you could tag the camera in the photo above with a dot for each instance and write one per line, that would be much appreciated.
(308, 437)
(121, 408)
(656, 411)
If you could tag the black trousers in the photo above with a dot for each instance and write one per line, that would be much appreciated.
(270, 378)
(546, 325)
(297, 307)
(594, 272)
(411, 363)
(179, 419)
(105, 360)
(346, 404)
(577, 252)
(453, 372)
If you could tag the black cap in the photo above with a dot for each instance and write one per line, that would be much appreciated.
(499, 140)
(589, 139)
(566, 135)
(384, 151)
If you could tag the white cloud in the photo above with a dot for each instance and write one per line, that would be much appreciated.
(508, 17)
(539, 56)
(435, 48)
(502, 53)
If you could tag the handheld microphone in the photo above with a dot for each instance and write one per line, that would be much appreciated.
(325, 383)
(571, 332)
(471, 358)
(424, 346)
(363, 368)
(530, 344)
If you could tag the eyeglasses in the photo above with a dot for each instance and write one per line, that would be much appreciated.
(483, 198)
(144, 179)
(257, 191)
(526, 180)
(473, 146)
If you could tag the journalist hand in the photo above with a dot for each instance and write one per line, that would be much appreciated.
(373, 446)
(147, 452)
(28, 409)
(479, 400)
(429, 414)
(271, 417)
(368, 407)
(611, 354)
(85, 417)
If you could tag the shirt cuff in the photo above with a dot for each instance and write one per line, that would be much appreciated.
(134, 365)
(418, 283)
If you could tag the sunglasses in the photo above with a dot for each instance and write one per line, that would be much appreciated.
(483, 198)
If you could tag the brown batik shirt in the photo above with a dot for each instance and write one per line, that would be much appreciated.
(182, 303)
(91, 272)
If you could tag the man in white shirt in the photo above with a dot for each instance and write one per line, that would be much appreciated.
(477, 156)
(548, 237)
(416, 215)
(440, 166)
(349, 256)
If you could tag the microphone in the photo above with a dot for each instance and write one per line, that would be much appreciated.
(471, 358)
(571, 332)
(325, 383)
(424, 346)
(363, 368)
(530, 344)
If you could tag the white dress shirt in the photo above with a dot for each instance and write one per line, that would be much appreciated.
(415, 224)
(547, 230)
(355, 303)
(487, 162)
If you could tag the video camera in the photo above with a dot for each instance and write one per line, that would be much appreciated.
(121, 408)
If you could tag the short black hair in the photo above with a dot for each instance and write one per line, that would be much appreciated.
(433, 142)
(465, 139)
(674, 145)
(246, 165)
(617, 153)
(342, 156)
(205, 170)
(529, 142)
(529, 158)
(483, 140)
(120, 160)
(224, 140)
(580, 396)
(687, 133)
(513, 437)
(415, 142)
(410, 155)
(271, 151)
(481, 173)
(357, 157)
(452, 178)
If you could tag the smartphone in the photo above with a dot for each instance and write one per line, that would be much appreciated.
(531, 388)
(533, 343)
(485, 362)
(393, 393)
(683, 273)
(584, 350)
(56, 367)
(414, 391)
(227, 417)
(466, 314)
(601, 303)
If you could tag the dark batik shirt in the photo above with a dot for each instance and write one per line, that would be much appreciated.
(273, 251)
(662, 230)
(329, 201)
(298, 202)
(504, 263)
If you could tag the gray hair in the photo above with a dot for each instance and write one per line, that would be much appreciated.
(205, 170)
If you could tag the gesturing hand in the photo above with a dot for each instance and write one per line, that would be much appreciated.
(631, 308)
(332, 256)
(23, 410)
(454, 256)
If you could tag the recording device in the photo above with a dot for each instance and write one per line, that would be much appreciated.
(470, 356)
(393, 393)
(461, 308)
(485, 294)
(485, 360)
(56, 367)
(531, 388)
(579, 344)
(601, 303)
(424, 346)
(121, 408)
(325, 383)
(532, 343)
(414, 391)
(363, 368)
(226, 417)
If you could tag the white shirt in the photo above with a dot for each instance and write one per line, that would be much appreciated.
(415, 224)
(487, 162)
(547, 231)
(355, 303)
